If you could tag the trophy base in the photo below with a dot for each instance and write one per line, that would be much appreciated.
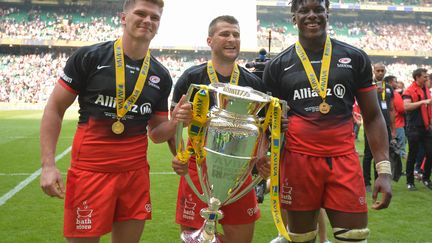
(199, 236)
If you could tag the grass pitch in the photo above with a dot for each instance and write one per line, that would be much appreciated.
(30, 216)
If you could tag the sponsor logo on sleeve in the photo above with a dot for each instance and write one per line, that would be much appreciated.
(66, 78)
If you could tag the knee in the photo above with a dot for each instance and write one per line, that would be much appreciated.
(342, 235)
(303, 237)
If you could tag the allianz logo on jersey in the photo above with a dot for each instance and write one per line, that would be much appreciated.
(305, 93)
(109, 101)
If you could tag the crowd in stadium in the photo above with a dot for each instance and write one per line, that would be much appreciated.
(30, 78)
(76, 24)
(366, 35)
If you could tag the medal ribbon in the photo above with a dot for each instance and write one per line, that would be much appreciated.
(200, 108)
(274, 116)
(211, 72)
(318, 86)
(383, 94)
(124, 106)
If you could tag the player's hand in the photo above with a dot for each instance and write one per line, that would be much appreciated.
(51, 182)
(179, 167)
(182, 112)
(382, 185)
(263, 166)
(284, 124)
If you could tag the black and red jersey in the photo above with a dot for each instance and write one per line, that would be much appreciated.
(311, 132)
(90, 73)
(198, 75)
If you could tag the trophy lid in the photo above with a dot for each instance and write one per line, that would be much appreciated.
(238, 99)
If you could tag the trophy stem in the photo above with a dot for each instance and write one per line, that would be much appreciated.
(207, 233)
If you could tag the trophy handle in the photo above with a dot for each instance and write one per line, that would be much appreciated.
(247, 189)
(180, 148)
(179, 130)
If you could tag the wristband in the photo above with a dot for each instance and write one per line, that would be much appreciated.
(383, 167)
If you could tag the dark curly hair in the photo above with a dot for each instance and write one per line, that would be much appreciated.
(296, 3)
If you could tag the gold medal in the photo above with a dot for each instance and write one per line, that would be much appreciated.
(324, 108)
(117, 127)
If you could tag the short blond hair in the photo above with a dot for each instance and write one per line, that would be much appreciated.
(129, 3)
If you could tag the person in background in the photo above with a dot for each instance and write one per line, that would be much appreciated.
(385, 101)
(399, 115)
(418, 105)
(358, 119)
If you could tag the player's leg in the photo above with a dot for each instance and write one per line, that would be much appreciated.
(83, 240)
(242, 233)
(345, 200)
(303, 225)
(240, 216)
(348, 227)
(133, 206)
(89, 205)
(127, 231)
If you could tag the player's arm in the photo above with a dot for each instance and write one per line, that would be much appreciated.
(376, 133)
(410, 106)
(51, 181)
(161, 129)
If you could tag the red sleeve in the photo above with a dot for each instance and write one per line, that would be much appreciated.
(67, 87)
(398, 103)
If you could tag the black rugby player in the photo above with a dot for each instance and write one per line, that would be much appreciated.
(319, 77)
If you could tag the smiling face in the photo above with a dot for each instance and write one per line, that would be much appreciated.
(225, 41)
(311, 17)
(141, 20)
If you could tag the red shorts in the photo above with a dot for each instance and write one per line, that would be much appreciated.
(309, 183)
(95, 200)
(243, 211)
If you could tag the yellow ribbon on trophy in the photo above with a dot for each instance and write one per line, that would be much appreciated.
(200, 108)
(274, 116)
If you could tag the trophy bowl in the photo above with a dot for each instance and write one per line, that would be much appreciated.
(231, 135)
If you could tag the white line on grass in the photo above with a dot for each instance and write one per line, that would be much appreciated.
(29, 179)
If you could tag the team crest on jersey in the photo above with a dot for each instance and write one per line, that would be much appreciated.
(84, 217)
(344, 63)
(345, 60)
(154, 80)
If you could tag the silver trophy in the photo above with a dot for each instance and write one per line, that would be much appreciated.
(232, 136)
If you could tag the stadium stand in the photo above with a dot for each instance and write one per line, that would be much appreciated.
(36, 40)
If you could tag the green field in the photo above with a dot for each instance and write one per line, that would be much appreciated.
(31, 216)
